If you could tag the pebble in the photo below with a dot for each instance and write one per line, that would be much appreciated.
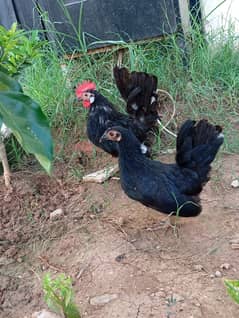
(235, 246)
(225, 266)
(198, 267)
(45, 314)
(235, 183)
(160, 294)
(102, 299)
(57, 214)
(218, 274)
(120, 257)
(235, 240)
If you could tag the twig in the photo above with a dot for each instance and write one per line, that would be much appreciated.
(120, 57)
(6, 169)
(164, 127)
(44, 259)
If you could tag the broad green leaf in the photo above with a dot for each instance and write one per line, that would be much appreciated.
(7, 83)
(3, 69)
(233, 289)
(29, 125)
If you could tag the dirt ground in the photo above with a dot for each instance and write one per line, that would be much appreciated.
(114, 247)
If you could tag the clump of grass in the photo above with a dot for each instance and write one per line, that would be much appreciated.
(203, 79)
(58, 294)
(233, 289)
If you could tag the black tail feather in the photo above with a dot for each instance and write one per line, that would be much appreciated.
(138, 89)
(197, 146)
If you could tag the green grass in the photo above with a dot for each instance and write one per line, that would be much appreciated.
(59, 295)
(204, 81)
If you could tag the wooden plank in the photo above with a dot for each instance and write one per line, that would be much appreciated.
(108, 48)
(101, 175)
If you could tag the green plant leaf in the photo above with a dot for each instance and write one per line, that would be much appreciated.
(29, 125)
(3, 69)
(18, 48)
(58, 294)
(71, 311)
(233, 289)
(7, 83)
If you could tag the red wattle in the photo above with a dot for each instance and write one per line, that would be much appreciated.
(86, 103)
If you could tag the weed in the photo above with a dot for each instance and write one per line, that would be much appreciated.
(18, 48)
(77, 173)
(58, 294)
(204, 79)
(171, 301)
(233, 289)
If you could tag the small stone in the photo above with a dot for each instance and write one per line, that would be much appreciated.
(120, 257)
(225, 266)
(102, 299)
(235, 183)
(198, 267)
(160, 294)
(235, 240)
(235, 246)
(212, 276)
(45, 314)
(218, 274)
(57, 214)
(19, 260)
(197, 304)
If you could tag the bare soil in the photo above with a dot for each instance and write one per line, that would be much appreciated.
(111, 245)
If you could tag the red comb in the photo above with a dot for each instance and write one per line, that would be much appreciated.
(83, 87)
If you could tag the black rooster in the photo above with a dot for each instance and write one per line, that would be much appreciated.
(169, 188)
(139, 91)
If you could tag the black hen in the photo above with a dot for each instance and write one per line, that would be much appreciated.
(169, 188)
(139, 91)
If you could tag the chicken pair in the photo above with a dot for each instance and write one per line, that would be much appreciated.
(138, 89)
(169, 188)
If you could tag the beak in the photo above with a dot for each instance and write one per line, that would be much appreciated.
(103, 137)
